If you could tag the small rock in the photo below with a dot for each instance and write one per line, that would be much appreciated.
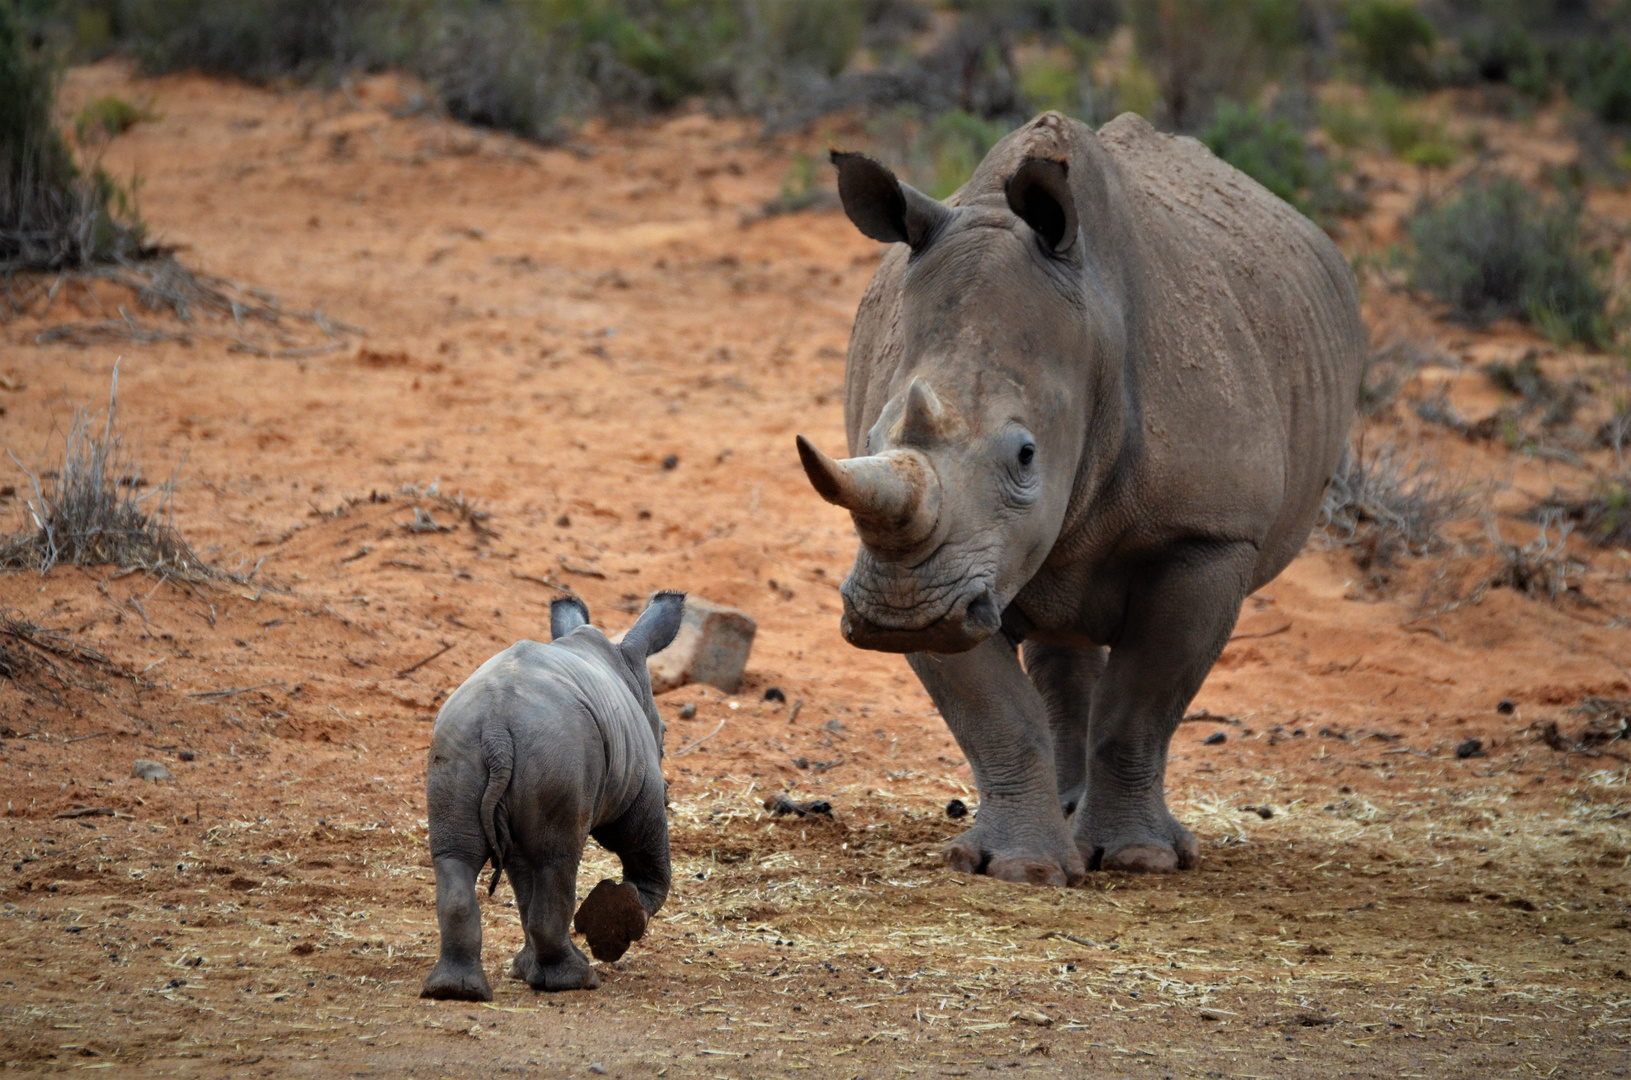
(8, 732)
(149, 770)
(186, 755)
(775, 693)
(712, 647)
(801, 762)
(688, 710)
(563, 522)
(1264, 812)
(1214, 739)
(671, 462)
(781, 805)
(1029, 1017)
(956, 809)
(1210, 1016)
(1473, 747)
(597, 1068)
(1506, 707)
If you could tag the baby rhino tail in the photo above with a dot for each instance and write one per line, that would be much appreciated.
(499, 750)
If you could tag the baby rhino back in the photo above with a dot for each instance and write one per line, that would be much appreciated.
(544, 746)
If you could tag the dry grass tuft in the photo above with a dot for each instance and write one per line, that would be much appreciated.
(1542, 567)
(1386, 503)
(87, 509)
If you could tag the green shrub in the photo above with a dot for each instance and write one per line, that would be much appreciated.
(1268, 150)
(1201, 50)
(1504, 52)
(1495, 250)
(52, 214)
(936, 155)
(1597, 73)
(1394, 41)
(107, 117)
(260, 40)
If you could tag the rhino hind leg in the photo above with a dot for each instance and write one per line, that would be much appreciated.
(550, 961)
(1179, 621)
(1001, 725)
(457, 975)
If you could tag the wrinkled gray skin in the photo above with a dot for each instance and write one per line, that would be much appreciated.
(543, 747)
(1095, 398)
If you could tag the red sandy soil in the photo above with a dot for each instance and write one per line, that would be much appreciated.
(588, 363)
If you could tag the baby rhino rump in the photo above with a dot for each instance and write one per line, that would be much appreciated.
(544, 746)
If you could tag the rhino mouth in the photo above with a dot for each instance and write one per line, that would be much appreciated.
(975, 616)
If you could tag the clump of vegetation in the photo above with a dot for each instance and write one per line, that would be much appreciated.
(1495, 250)
(1201, 50)
(1597, 73)
(53, 214)
(1389, 121)
(1384, 504)
(1271, 151)
(1541, 568)
(108, 117)
(939, 154)
(1394, 41)
(87, 510)
(1602, 515)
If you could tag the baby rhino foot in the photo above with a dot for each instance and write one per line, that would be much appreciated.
(450, 982)
(610, 918)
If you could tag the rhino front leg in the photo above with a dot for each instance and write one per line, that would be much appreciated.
(1065, 676)
(457, 975)
(1179, 619)
(1001, 724)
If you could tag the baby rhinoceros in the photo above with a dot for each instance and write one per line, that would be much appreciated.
(543, 747)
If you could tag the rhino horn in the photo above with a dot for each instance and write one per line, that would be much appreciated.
(923, 419)
(894, 496)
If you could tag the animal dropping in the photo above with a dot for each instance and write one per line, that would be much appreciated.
(542, 748)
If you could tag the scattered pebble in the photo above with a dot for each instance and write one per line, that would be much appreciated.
(186, 755)
(801, 762)
(1473, 747)
(1506, 707)
(563, 522)
(597, 1068)
(688, 710)
(1264, 812)
(149, 770)
(956, 809)
(672, 461)
(1214, 739)
(775, 693)
(780, 805)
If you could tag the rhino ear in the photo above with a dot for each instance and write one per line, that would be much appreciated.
(1039, 192)
(566, 614)
(655, 629)
(884, 208)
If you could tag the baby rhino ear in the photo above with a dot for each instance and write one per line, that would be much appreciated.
(657, 625)
(566, 614)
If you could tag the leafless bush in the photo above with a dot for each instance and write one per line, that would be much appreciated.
(1603, 515)
(1541, 568)
(1386, 502)
(86, 510)
(1387, 370)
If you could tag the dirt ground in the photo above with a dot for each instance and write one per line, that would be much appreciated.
(585, 366)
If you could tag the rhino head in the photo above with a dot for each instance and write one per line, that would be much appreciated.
(964, 477)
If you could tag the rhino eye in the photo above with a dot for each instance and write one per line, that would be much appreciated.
(1027, 454)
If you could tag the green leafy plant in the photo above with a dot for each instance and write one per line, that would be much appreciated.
(1394, 41)
(53, 214)
(108, 117)
(1272, 152)
(1495, 250)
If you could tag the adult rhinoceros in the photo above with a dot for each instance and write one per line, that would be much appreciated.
(1094, 399)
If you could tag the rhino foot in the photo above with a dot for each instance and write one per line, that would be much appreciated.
(610, 919)
(450, 982)
(522, 964)
(570, 972)
(1164, 849)
(985, 850)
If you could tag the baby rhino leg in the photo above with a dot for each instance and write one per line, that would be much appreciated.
(555, 963)
(457, 975)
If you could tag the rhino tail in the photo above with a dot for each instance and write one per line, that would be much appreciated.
(499, 750)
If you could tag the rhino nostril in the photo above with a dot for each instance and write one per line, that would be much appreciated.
(982, 613)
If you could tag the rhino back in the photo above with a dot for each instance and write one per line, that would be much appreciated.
(1245, 343)
(581, 743)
